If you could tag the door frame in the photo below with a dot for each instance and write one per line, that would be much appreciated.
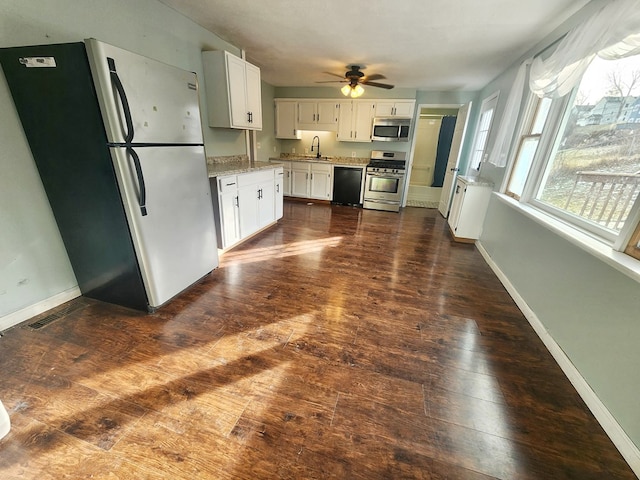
(416, 118)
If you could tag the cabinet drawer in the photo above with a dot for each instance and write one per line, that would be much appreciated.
(255, 177)
(227, 184)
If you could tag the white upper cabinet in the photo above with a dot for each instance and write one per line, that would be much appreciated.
(286, 111)
(395, 108)
(317, 115)
(355, 120)
(233, 90)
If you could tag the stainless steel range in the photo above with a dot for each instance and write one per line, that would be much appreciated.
(384, 181)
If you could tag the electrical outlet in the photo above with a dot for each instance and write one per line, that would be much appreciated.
(258, 145)
(293, 150)
(353, 154)
(306, 150)
(274, 150)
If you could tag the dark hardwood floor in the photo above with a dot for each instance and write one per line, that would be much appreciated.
(341, 343)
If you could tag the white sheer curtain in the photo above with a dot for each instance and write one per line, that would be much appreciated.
(500, 152)
(612, 32)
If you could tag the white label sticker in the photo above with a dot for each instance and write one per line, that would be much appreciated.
(38, 62)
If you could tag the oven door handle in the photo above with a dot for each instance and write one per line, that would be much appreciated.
(386, 175)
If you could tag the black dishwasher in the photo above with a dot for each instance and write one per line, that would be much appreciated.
(347, 184)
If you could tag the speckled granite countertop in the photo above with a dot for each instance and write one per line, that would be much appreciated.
(234, 164)
(469, 180)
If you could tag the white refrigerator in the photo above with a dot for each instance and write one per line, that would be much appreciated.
(126, 176)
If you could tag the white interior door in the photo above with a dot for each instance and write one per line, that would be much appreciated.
(175, 241)
(454, 159)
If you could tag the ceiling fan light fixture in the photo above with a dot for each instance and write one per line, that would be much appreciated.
(346, 90)
(357, 91)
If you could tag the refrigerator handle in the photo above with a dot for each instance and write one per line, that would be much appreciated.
(117, 84)
(142, 200)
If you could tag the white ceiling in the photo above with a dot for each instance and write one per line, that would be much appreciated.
(438, 45)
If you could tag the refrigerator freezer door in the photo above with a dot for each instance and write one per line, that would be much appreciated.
(176, 240)
(161, 100)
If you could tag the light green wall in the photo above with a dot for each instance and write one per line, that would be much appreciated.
(588, 307)
(266, 139)
(33, 262)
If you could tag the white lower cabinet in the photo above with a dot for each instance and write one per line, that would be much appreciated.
(300, 179)
(320, 183)
(279, 181)
(286, 178)
(229, 229)
(311, 180)
(244, 204)
(257, 201)
(469, 206)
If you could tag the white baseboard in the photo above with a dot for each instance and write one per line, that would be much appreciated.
(31, 311)
(620, 439)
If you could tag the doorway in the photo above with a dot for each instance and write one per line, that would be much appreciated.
(433, 136)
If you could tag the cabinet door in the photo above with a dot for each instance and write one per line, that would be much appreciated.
(321, 182)
(345, 122)
(327, 115)
(286, 185)
(248, 210)
(266, 203)
(395, 108)
(254, 96)
(237, 91)
(229, 218)
(286, 120)
(363, 121)
(385, 109)
(300, 182)
(404, 109)
(456, 205)
(279, 176)
(307, 115)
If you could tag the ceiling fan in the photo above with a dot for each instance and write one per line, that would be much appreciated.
(355, 79)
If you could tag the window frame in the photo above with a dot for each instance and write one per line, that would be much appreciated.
(533, 103)
(557, 118)
(490, 103)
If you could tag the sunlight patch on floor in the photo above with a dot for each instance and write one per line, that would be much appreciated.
(279, 251)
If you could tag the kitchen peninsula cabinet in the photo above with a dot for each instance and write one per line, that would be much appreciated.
(256, 194)
(317, 115)
(245, 203)
(233, 89)
(395, 108)
(468, 208)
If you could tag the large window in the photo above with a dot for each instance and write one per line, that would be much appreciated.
(578, 158)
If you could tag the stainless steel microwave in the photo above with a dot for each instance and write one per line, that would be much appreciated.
(391, 129)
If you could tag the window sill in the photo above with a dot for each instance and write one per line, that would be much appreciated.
(618, 260)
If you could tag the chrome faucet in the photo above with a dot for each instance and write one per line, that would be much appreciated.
(317, 147)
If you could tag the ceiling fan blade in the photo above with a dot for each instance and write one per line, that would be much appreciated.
(379, 85)
(334, 74)
(333, 81)
(373, 76)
